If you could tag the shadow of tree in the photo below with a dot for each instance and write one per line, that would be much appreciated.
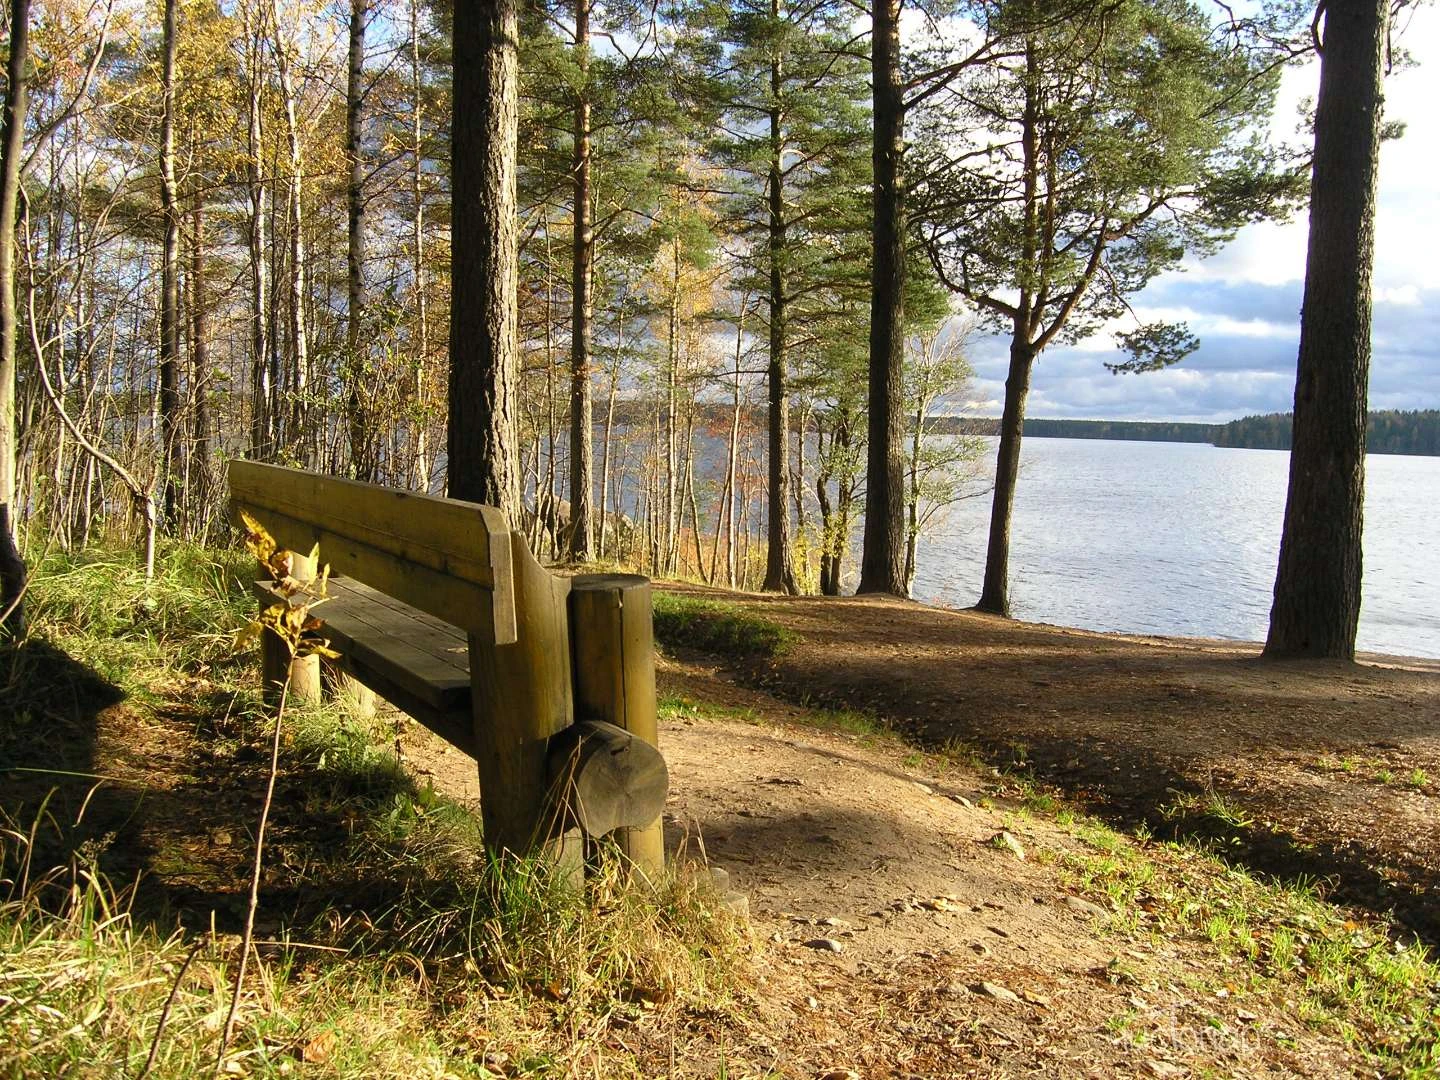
(1191, 743)
(163, 798)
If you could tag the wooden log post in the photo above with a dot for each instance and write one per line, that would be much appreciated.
(275, 655)
(522, 696)
(613, 644)
(354, 696)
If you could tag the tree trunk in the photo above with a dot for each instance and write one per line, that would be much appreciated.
(582, 438)
(199, 368)
(12, 567)
(262, 419)
(299, 425)
(995, 592)
(883, 562)
(912, 500)
(421, 463)
(1317, 586)
(481, 442)
(779, 559)
(170, 448)
(362, 435)
(995, 589)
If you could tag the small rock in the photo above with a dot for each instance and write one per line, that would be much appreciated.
(832, 921)
(962, 801)
(1164, 1069)
(838, 1074)
(1035, 999)
(998, 992)
(925, 788)
(738, 902)
(998, 931)
(1081, 906)
(939, 903)
(1004, 840)
(825, 944)
(981, 949)
(720, 878)
(1245, 1016)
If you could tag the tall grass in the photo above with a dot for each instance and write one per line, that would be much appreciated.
(410, 955)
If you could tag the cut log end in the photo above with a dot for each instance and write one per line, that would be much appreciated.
(607, 778)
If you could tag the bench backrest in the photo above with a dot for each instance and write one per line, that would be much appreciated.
(449, 558)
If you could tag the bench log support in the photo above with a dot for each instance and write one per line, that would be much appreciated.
(521, 696)
(612, 638)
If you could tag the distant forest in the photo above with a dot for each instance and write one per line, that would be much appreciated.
(1414, 431)
(1392, 431)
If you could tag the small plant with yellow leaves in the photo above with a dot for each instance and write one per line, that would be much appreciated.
(289, 618)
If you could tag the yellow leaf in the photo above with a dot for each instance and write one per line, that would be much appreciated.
(319, 1049)
(248, 636)
(257, 541)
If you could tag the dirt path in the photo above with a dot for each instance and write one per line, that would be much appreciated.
(1326, 770)
(902, 936)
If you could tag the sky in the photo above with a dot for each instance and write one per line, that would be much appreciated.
(1244, 302)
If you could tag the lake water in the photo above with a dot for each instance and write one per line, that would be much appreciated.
(1178, 538)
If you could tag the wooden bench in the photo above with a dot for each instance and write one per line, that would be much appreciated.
(440, 608)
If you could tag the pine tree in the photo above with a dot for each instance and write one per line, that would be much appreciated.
(1317, 586)
(1069, 172)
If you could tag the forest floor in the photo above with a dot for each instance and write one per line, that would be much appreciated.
(865, 786)
(968, 847)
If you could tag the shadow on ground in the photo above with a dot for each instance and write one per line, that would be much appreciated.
(164, 798)
(1189, 739)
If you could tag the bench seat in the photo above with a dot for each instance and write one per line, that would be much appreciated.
(417, 662)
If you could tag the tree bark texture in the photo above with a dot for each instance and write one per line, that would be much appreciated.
(12, 567)
(200, 478)
(363, 437)
(1317, 586)
(262, 419)
(882, 566)
(779, 560)
(582, 423)
(171, 449)
(481, 442)
(995, 592)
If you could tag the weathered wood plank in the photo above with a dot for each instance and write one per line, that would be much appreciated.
(521, 697)
(375, 638)
(447, 557)
(456, 601)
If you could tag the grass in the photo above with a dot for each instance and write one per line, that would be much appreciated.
(1346, 976)
(391, 946)
(717, 626)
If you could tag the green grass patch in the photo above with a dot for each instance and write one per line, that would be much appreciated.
(717, 626)
(96, 606)
(1354, 978)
